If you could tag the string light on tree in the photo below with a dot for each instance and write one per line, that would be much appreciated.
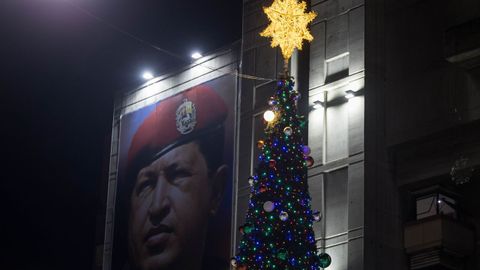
(278, 233)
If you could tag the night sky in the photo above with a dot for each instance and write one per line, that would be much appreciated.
(60, 70)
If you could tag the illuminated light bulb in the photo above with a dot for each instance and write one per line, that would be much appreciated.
(147, 75)
(269, 116)
(196, 55)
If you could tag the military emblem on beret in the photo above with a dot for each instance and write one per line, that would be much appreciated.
(186, 117)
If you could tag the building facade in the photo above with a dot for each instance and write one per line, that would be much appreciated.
(421, 134)
(397, 164)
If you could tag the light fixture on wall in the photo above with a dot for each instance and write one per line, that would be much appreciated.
(196, 55)
(147, 75)
(349, 94)
(317, 104)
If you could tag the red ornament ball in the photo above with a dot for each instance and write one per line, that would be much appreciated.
(272, 163)
(310, 161)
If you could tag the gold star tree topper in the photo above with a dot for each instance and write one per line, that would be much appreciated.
(288, 27)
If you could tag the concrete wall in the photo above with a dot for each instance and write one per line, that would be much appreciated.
(330, 65)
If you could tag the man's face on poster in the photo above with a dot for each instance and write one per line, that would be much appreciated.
(171, 202)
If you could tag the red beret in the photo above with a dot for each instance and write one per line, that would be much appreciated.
(177, 120)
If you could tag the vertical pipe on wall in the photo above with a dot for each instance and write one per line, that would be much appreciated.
(233, 226)
(324, 222)
(324, 161)
(324, 143)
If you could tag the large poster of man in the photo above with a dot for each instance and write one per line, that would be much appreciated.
(174, 190)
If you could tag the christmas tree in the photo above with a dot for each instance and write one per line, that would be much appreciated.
(278, 232)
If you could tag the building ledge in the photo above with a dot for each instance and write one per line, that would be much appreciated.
(463, 44)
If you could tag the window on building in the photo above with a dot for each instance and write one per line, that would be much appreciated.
(434, 201)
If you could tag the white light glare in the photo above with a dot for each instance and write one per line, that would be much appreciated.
(269, 116)
(349, 94)
(317, 104)
(196, 55)
(147, 75)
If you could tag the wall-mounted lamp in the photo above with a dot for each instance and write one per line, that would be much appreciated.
(196, 55)
(349, 94)
(317, 104)
(147, 75)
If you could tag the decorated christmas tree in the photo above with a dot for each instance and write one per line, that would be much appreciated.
(278, 231)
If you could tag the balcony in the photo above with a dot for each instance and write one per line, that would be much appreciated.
(438, 242)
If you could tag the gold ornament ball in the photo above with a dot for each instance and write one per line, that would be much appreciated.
(260, 144)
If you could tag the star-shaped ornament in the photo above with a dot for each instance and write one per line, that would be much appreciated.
(288, 27)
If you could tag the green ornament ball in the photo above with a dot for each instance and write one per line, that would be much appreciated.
(325, 260)
(282, 255)
(248, 228)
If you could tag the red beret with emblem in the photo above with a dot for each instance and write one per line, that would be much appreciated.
(175, 121)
